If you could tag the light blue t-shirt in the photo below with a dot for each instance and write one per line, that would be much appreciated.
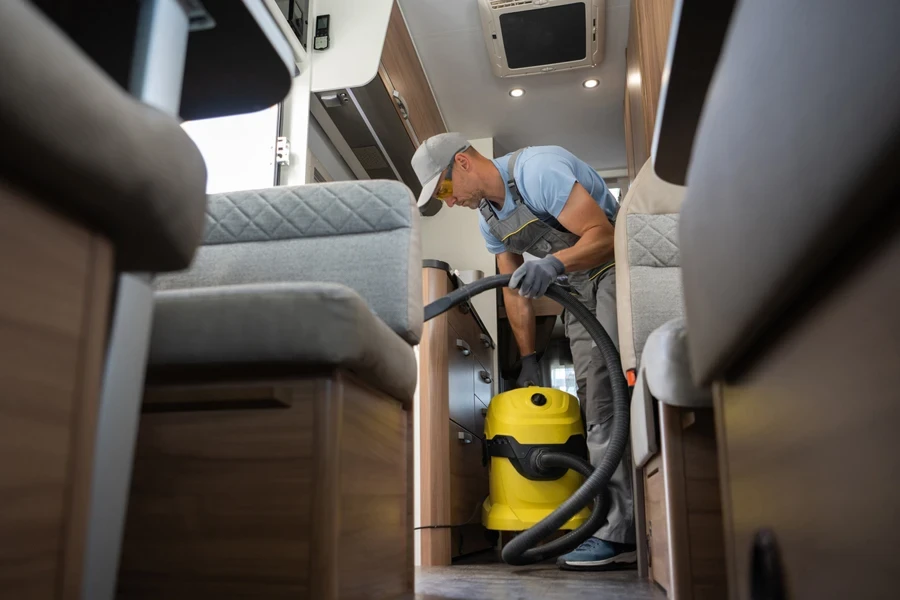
(545, 176)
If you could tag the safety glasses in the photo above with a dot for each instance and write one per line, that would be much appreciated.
(445, 187)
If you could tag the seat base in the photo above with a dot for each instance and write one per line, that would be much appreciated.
(55, 292)
(681, 519)
(302, 488)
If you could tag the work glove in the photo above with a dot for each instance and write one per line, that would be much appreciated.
(530, 374)
(534, 277)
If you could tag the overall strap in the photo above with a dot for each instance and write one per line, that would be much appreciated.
(484, 207)
(511, 179)
(487, 211)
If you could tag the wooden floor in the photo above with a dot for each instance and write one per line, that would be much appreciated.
(488, 580)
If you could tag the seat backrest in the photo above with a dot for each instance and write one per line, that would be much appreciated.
(809, 161)
(362, 234)
(648, 271)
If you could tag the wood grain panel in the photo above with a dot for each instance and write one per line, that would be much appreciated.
(657, 527)
(640, 148)
(629, 132)
(403, 72)
(699, 446)
(220, 502)
(822, 400)
(55, 279)
(371, 561)
(433, 413)
(673, 469)
(654, 20)
(99, 287)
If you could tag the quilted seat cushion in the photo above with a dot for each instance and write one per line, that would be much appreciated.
(364, 235)
(653, 240)
(648, 263)
(288, 327)
(284, 213)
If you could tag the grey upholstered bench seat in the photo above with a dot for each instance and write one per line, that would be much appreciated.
(300, 278)
(294, 326)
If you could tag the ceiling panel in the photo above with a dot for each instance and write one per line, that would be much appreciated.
(555, 109)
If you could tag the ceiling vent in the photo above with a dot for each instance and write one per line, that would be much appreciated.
(530, 37)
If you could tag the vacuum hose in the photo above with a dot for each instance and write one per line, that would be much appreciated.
(524, 549)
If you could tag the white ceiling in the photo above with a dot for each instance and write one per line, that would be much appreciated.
(556, 109)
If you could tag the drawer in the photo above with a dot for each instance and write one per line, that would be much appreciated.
(483, 383)
(468, 476)
(460, 379)
(483, 352)
(461, 319)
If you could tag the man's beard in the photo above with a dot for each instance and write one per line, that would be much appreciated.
(473, 199)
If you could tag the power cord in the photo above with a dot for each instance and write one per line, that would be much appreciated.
(469, 522)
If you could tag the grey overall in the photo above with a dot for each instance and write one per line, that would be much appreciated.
(523, 232)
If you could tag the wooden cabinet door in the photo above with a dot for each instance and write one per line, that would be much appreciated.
(402, 73)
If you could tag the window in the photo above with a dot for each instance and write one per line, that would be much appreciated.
(239, 151)
(616, 192)
(562, 377)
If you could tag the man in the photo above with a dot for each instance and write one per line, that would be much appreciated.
(548, 203)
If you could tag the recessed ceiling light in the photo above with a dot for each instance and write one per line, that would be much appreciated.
(517, 92)
(591, 83)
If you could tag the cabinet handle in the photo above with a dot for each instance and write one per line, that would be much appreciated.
(766, 569)
(464, 438)
(483, 412)
(401, 104)
(463, 347)
(486, 341)
(485, 377)
(403, 109)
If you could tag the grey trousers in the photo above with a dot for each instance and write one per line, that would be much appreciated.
(595, 395)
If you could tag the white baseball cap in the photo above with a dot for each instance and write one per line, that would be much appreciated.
(432, 158)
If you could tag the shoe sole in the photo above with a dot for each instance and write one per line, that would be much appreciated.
(626, 560)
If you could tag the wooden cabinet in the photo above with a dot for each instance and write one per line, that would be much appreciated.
(645, 56)
(455, 387)
(55, 283)
(405, 79)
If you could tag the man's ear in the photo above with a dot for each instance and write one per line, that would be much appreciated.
(463, 161)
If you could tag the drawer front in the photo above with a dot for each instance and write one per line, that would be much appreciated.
(460, 378)
(483, 383)
(461, 319)
(484, 353)
(468, 488)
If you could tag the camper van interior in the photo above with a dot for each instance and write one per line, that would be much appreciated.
(449, 299)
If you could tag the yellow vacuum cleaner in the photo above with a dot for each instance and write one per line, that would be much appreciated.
(537, 449)
(520, 423)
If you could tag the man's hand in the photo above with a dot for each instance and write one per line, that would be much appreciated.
(530, 374)
(534, 277)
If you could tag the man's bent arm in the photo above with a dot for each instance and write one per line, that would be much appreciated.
(519, 310)
(583, 216)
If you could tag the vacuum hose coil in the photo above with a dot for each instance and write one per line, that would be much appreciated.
(523, 549)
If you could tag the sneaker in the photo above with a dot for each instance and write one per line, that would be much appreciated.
(599, 555)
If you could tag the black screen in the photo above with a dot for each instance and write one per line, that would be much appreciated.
(322, 22)
(544, 36)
